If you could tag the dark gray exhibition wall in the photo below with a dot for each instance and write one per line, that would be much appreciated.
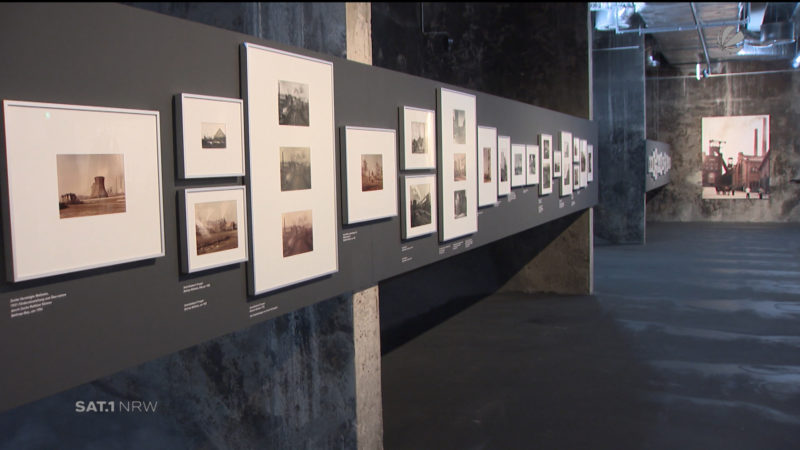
(104, 320)
(659, 163)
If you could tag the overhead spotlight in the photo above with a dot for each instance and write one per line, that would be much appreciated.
(796, 61)
(697, 73)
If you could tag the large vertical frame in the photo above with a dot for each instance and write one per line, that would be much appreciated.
(275, 210)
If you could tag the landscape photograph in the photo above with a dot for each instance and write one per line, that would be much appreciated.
(215, 226)
(90, 184)
(419, 139)
(487, 165)
(371, 173)
(298, 233)
(503, 168)
(295, 168)
(213, 135)
(420, 196)
(459, 126)
(293, 104)
(459, 166)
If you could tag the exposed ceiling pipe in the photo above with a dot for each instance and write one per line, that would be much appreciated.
(687, 27)
(702, 40)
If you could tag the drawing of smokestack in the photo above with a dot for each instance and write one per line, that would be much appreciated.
(99, 188)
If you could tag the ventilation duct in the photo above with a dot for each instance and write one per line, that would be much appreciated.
(777, 33)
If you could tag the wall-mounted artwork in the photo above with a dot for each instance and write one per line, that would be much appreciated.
(503, 165)
(584, 158)
(590, 163)
(519, 165)
(548, 155)
(84, 187)
(214, 231)
(457, 167)
(576, 177)
(566, 163)
(418, 131)
(576, 149)
(735, 157)
(210, 136)
(487, 166)
(532, 164)
(370, 174)
(292, 167)
(418, 200)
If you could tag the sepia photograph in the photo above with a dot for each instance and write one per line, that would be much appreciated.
(459, 166)
(532, 164)
(420, 198)
(90, 185)
(298, 235)
(459, 126)
(576, 176)
(371, 173)
(487, 165)
(215, 226)
(567, 177)
(503, 168)
(735, 158)
(213, 135)
(518, 164)
(546, 176)
(583, 161)
(295, 168)
(419, 141)
(293, 104)
(576, 148)
(460, 204)
(556, 164)
(545, 148)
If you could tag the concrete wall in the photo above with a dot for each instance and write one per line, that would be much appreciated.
(619, 110)
(676, 107)
(287, 383)
(537, 53)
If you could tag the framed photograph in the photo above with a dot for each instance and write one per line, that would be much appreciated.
(518, 165)
(503, 165)
(84, 188)
(557, 164)
(487, 166)
(584, 155)
(532, 164)
(418, 197)
(214, 230)
(576, 177)
(370, 174)
(590, 163)
(292, 179)
(576, 149)
(566, 163)
(418, 131)
(458, 174)
(210, 136)
(546, 146)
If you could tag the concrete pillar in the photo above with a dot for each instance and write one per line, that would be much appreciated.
(366, 318)
(564, 266)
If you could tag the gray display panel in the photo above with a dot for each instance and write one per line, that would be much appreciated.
(659, 164)
(86, 325)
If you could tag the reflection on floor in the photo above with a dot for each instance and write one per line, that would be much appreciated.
(690, 341)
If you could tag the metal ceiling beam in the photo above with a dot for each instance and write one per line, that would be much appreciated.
(687, 27)
(702, 39)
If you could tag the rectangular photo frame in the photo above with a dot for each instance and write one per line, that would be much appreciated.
(457, 167)
(418, 205)
(77, 175)
(210, 136)
(590, 163)
(532, 164)
(292, 167)
(547, 158)
(418, 134)
(518, 165)
(584, 157)
(487, 166)
(213, 227)
(566, 163)
(369, 182)
(503, 165)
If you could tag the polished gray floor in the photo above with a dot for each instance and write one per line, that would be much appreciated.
(690, 342)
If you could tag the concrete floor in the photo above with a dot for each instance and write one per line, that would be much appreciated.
(690, 342)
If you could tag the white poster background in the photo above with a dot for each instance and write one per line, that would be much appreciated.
(264, 68)
(504, 151)
(487, 189)
(361, 205)
(450, 226)
(199, 162)
(43, 243)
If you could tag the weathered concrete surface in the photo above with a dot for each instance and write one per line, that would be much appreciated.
(684, 345)
(287, 383)
(564, 266)
(676, 108)
(619, 111)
